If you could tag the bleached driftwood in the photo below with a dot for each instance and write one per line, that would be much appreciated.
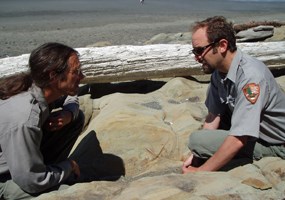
(245, 26)
(122, 63)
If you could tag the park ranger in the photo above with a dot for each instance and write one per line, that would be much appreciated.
(35, 142)
(246, 107)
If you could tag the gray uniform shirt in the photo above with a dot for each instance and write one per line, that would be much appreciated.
(22, 117)
(264, 118)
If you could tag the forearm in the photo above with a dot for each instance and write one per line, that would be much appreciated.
(43, 179)
(212, 122)
(31, 174)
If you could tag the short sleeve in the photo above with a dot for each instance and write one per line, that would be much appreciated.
(251, 97)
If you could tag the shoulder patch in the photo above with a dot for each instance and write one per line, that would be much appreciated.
(251, 92)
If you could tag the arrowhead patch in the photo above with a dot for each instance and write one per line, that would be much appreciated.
(251, 92)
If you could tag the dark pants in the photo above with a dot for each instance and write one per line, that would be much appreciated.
(57, 145)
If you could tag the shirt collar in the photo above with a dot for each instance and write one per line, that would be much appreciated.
(38, 95)
(234, 66)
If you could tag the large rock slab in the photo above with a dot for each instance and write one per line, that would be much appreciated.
(143, 138)
(168, 115)
(240, 183)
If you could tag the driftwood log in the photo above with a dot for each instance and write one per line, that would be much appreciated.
(251, 24)
(125, 63)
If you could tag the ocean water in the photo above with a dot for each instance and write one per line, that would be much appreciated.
(42, 7)
(112, 11)
(100, 12)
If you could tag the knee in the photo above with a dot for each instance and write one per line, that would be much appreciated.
(204, 143)
(200, 140)
(195, 141)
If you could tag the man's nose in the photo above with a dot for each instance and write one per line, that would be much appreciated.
(198, 59)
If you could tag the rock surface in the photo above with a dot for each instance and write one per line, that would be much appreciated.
(140, 140)
(258, 33)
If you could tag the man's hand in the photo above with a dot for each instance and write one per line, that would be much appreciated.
(186, 167)
(58, 119)
(188, 161)
(212, 122)
(189, 169)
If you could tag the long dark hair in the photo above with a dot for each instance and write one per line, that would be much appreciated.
(49, 57)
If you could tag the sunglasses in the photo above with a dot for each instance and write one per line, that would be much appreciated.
(198, 51)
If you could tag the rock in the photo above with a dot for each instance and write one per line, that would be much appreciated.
(279, 35)
(171, 38)
(206, 185)
(168, 115)
(100, 44)
(258, 33)
(86, 106)
(256, 183)
(146, 135)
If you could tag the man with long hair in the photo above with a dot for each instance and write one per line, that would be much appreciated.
(40, 121)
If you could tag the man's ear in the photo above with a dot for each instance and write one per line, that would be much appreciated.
(223, 45)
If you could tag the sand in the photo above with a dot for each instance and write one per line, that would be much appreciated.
(24, 26)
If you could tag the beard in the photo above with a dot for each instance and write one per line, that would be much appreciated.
(207, 69)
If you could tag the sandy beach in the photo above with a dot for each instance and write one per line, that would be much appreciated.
(25, 24)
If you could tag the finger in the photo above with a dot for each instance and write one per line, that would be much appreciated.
(60, 124)
(188, 161)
